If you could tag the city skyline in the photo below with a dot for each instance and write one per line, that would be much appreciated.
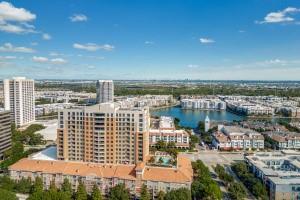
(232, 40)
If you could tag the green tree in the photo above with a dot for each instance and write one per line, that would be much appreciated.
(24, 185)
(203, 187)
(179, 194)
(161, 145)
(66, 189)
(53, 192)
(119, 192)
(144, 193)
(193, 141)
(37, 190)
(161, 195)
(96, 194)
(201, 126)
(38, 185)
(7, 195)
(81, 193)
(237, 191)
(6, 183)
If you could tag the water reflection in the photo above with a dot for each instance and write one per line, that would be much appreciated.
(192, 117)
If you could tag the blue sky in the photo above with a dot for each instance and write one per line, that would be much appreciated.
(170, 39)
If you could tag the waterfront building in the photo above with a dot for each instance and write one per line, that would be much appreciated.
(103, 133)
(166, 131)
(279, 171)
(19, 99)
(105, 91)
(205, 104)
(235, 137)
(207, 123)
(5, 132)
(106, 176)
(249, 108)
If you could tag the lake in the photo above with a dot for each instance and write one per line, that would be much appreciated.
(191, 118)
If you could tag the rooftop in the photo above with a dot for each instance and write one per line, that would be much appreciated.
(45, 162)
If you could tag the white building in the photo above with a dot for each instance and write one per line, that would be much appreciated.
(205, 104)
(234, 137)
(279, 171)
(207, 123)
(105, 91)
(167, 132)
(19, 99)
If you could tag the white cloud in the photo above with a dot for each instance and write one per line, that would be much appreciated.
(15, 20)
(46, 36)
(192, 66)
(149, 42)
(2, 58)
(34, 43)
(93, 47)
(8, 47)
(280, 16)
(91, 67)
(58, 61)
(78, 18)
(55, 54)
(206, 40)
(41, 59)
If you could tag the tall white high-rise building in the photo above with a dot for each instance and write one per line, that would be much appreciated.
(19, 99)
(105, 91)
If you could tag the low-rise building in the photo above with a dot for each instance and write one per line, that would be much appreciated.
(248, 108)
(105, 176)
(237, 138)
(145, 100)
(203, 103)
(166, 131)
(279, 171)
(45, 109)
(284, 139)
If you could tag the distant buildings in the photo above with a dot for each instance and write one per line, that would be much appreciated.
(5, 132)
(151, 101)
(166, 131)
(45, 109)
(60, 96)
(237, 138)
(106, 176)
(262, 105)
(279, 171)
(19, 99)
(248, 108)
(203, 103)
(105, 91)
(104, 133)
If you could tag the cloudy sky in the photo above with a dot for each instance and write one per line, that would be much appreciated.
(150, 39)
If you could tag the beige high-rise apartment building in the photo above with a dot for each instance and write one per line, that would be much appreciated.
(105, 91)
(19, 99)
(103, 133)
(5, 132)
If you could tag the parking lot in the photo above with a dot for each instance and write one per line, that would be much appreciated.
(211, 158)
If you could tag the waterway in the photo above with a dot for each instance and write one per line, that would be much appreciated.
(191, 118)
